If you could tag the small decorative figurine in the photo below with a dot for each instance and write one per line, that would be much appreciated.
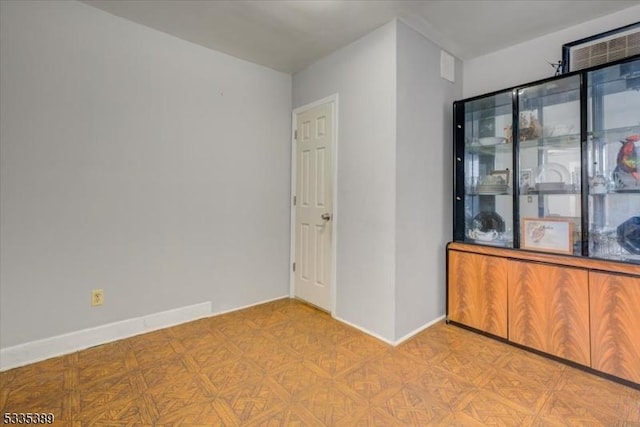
(530, 127)
(508, 133)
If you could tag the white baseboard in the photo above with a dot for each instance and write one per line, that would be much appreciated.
(420, 329)
(366, 331)
(393, 343)
(36, 351)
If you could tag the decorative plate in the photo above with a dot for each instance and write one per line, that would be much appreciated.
(488, 221)
(552, 173)
(629, 235)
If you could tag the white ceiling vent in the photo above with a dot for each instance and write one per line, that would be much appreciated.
(605, 50)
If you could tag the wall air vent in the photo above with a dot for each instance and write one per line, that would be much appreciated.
(602, 48)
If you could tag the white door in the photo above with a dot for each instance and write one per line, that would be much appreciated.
(313, 205)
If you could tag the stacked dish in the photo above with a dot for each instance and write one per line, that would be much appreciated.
(492, 140)
(492, 184)
(492, 188)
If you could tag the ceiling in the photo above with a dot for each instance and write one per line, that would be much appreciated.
(289, 35)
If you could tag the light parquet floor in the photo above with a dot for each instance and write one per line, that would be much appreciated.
(285, 363)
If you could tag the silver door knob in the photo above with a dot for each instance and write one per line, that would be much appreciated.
(326, 216)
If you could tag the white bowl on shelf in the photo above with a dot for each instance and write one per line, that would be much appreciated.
(483, 236)
(492, 140)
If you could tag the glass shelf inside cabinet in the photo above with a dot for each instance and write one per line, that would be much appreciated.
(613, 151)
(488, 159)
(570, 141)
(613, 136)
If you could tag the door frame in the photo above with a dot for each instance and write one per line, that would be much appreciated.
(334, 182)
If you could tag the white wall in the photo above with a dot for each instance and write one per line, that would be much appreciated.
(364, 76)
(135, 162)
(424, 179)
(394, 176)
(529, 61)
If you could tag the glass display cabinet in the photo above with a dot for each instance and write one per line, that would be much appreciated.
(547, 218)
(553, 166)
(486, 171)
(613, 161)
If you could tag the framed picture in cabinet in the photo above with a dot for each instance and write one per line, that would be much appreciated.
(526, 180)
(548, 234)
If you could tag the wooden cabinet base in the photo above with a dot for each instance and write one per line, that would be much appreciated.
(585, 312)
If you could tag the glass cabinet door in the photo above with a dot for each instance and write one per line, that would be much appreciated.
(488, 181)
(549, 164)
(613, 124)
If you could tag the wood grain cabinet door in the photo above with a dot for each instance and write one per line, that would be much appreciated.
(615, 324)
(549, 309)
(478, 292)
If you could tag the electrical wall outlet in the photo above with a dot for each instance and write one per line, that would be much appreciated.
(97, 297)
